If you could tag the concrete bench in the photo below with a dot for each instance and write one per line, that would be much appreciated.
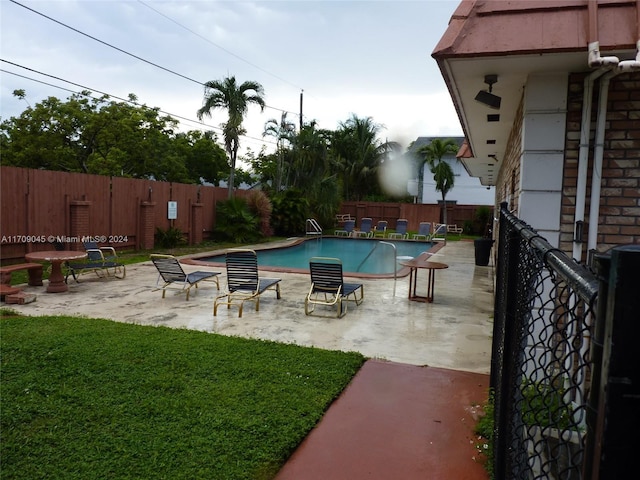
(34, 270)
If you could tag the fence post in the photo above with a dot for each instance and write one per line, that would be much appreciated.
(147, 225)
(79, 220)
(504, 329)
(197, 223)
(619, 417)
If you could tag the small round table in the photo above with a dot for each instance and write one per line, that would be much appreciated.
(414, 265)
(56, 257)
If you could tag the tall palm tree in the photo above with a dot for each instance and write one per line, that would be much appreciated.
(361, 155)
(283, 132)
(227, 94)
(442, 171)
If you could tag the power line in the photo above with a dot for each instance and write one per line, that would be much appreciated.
(125, 52)
(218, 46)
(110, 96)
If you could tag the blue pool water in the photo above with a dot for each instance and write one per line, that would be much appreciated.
(358, 255)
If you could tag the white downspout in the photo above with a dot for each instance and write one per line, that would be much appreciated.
(583, 162)
(596, 177)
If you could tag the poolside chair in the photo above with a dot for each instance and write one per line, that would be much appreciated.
(380, 229)
(366, 224)
(347, 229)
(401, 229)
(439, 233)
(243, 281)
(424, 231)
(171, 275)
(328, 287)
(100, 260)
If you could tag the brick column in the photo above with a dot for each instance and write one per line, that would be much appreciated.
(147, 224)
(79, 225)
(197, 223)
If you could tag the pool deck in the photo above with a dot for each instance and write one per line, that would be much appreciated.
(429, 361)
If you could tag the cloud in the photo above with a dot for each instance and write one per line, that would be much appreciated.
(371, 58)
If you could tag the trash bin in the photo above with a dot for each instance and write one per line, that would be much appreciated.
(483, 251)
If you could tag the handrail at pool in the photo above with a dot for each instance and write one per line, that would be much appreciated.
(395, 270)
(315, 229)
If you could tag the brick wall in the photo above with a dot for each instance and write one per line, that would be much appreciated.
(619, 219)
(508, 184)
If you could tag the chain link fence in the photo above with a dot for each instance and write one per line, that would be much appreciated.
(542, 362)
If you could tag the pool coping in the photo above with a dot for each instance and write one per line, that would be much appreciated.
(290, 242)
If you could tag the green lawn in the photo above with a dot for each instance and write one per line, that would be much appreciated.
(88, 398)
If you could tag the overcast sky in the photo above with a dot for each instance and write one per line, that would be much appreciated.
(368, 58)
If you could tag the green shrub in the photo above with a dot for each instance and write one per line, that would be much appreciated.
(467, 227)
(260, 204)
(483, 220)
(544, 405)
(290, 212)
(236, 222)
(169, 238)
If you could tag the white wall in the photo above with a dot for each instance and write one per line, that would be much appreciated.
(466, 190)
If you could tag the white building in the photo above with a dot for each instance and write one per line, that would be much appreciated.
(467, 190)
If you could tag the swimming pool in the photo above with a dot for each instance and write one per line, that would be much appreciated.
(358, 255)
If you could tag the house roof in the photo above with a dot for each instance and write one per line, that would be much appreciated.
(514, 39)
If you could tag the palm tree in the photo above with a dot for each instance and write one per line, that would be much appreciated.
(227, 94)
(442, 172)
(282, 131)
(361, 154)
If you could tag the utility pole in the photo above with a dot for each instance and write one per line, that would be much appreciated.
(301, 92)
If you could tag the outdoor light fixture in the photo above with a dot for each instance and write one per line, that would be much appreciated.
(488, 98)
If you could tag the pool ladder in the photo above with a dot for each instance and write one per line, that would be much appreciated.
(395, 269)
(313, 228)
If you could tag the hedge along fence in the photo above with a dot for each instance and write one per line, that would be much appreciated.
(41, 206)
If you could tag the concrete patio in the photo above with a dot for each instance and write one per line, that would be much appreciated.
(453, 332)
(397, 418)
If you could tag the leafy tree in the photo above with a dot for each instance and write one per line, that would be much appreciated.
(204, 159)
(227, 94)
(95, 135)
(442, 172)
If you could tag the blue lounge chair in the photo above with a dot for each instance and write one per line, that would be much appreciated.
(328, 286)
(380, 229)
(366, 224)
(347, 229)
(401, 229)
(100, 260)
(243, 281)
(424, 231)
(171, 275)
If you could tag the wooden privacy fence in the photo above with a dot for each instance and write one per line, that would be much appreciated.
(40, 206)
(413, 212)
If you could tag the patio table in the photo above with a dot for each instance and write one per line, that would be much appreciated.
(56, 257)
(416, 264)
